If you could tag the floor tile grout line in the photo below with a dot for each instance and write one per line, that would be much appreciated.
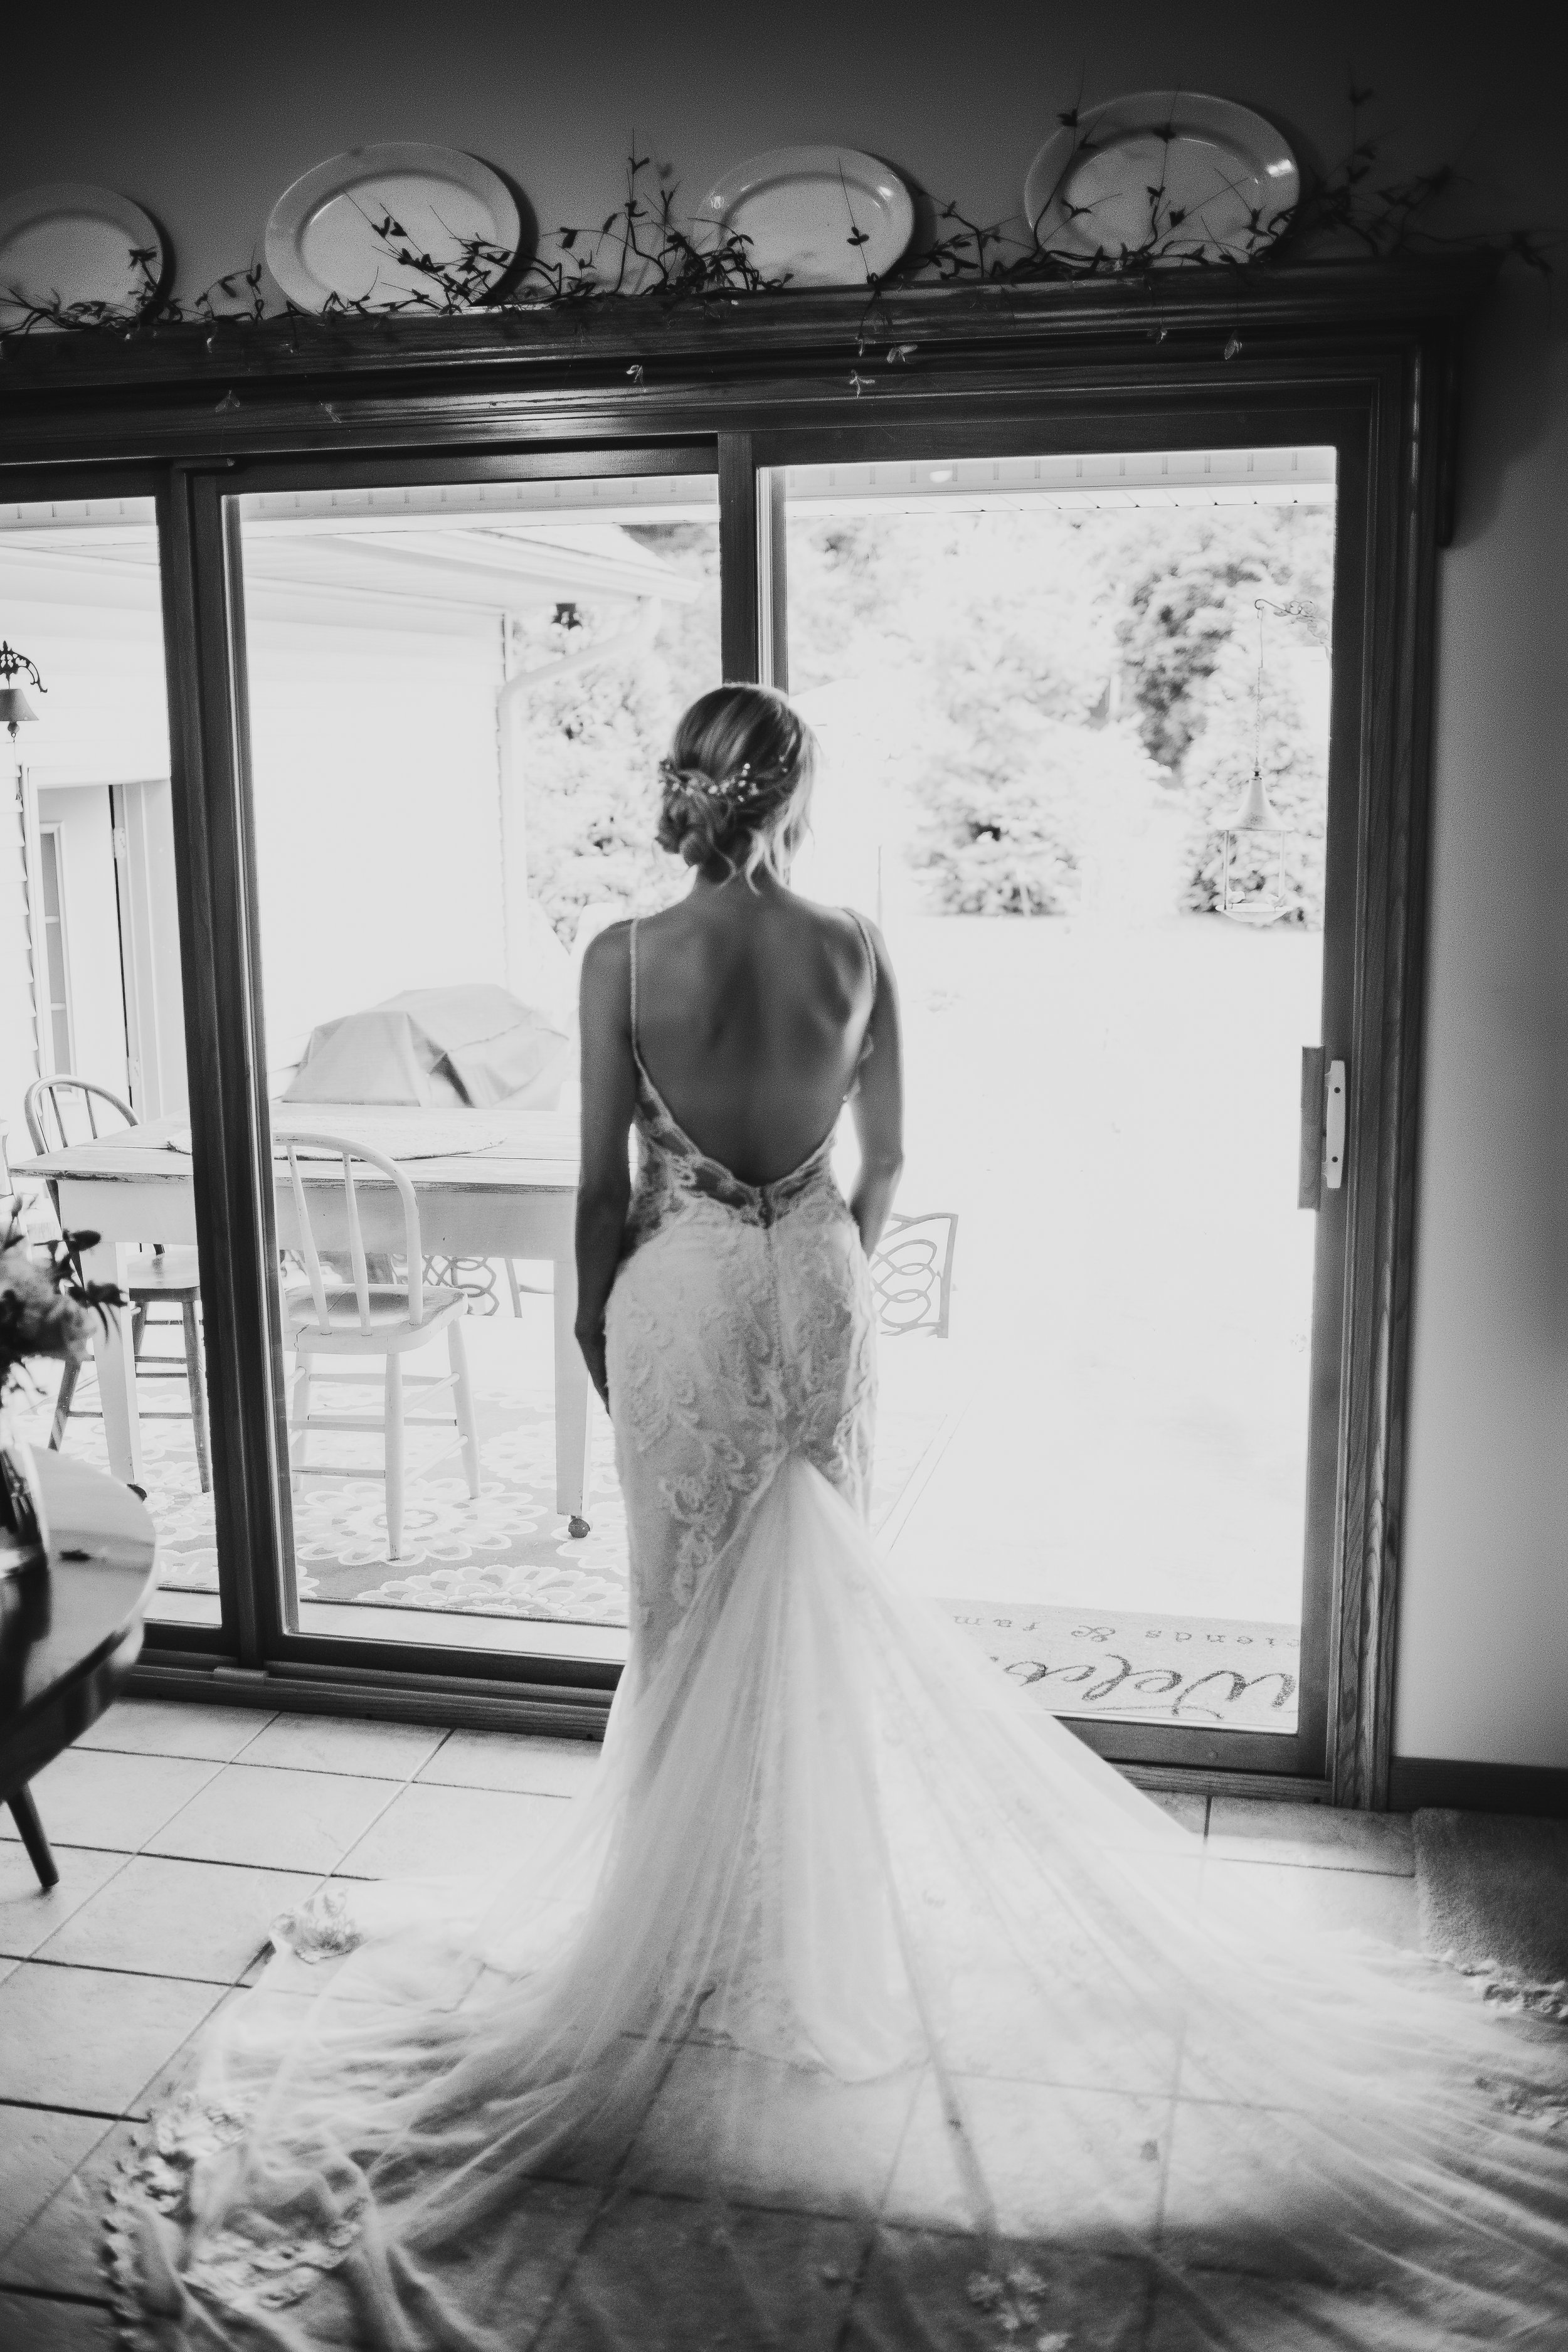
(147, 1976)
(52, 2107)
(55, 2294)
(265, 1725)
(171, 1816)
(320, 1771)
(188, 1861)
(354, 1844)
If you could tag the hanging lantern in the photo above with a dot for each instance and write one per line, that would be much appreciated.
(16, 703)
(1254, 817)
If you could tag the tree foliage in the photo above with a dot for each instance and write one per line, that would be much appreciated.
(1005, 659)
(1189, 583)
(1008, 633)
(593, 740)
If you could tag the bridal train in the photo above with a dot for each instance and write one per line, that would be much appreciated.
(845, 1923)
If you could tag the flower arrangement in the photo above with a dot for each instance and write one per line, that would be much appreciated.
(46, 1309)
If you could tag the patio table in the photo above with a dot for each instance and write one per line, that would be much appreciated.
(514, 1198)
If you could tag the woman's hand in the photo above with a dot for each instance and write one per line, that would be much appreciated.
(592, 1343)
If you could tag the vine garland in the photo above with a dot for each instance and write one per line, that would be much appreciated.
(643, 250)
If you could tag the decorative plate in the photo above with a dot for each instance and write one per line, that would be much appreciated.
(84, 253)
(1164, 175)
(822, 216)
(396, 227)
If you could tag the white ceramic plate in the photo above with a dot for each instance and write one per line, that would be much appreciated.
(802, 208)
(1224, 174)
(74, 242)
(328, 237)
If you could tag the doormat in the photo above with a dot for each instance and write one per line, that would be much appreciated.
(1495, 1888)
(1226, 1673)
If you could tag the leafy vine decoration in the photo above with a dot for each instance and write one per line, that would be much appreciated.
(645, 250)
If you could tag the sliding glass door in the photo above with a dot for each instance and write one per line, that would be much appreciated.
(94, 1091)
(1090, 724)
(1076, 708)
(456, 694)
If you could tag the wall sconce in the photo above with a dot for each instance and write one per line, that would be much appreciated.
(16, 703)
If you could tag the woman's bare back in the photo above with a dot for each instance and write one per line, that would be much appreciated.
(753, 1013)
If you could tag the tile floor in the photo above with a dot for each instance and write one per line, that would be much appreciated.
(181, 1831)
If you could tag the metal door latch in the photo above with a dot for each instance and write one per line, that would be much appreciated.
(1324, 1102)
(1335, 1127)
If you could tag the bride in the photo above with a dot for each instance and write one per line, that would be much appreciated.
(856, 2002)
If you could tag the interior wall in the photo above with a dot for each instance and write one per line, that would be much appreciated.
(207, 119)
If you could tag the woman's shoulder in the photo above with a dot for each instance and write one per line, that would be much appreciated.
(842, 927)
(606, 962)
(856, 932)
(610, 945)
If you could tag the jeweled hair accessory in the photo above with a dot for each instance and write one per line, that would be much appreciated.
(737, 790)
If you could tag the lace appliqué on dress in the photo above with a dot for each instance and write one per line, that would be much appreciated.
(261, 2266)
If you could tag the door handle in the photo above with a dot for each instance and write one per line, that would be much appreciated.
(1323, 1100)
(1335, 1127)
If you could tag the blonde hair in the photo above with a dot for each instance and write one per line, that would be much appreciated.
(736, 784)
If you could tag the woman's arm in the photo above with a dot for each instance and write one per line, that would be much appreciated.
(609, 1094)
(879, 1108)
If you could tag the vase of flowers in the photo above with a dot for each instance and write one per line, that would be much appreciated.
(46, 1309)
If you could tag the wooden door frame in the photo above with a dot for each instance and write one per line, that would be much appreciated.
(1213, 354)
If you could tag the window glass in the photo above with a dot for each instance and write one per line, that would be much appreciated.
(458, 700)
(92, 1045)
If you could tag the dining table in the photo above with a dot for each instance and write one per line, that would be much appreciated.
(501, 1184)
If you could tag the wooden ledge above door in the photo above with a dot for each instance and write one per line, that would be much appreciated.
(595, 342)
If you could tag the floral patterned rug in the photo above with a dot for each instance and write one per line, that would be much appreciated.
(510, 1553)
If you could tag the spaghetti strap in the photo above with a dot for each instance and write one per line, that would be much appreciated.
(632, 947)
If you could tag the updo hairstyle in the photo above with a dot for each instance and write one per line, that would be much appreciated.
(736, 786)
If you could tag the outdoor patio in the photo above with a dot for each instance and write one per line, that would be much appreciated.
(1098, 1471)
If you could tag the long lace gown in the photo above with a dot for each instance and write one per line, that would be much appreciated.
(845, 1924)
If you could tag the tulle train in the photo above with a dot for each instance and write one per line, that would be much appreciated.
(845, 1923)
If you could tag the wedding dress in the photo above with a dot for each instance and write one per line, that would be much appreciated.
(848, 1924)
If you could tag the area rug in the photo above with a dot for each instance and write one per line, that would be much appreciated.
(1217, 1673)
(509, 1553)
(1494, 1886)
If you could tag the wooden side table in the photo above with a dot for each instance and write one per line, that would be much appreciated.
(70, 1632)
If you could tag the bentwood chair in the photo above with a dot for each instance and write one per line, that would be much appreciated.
(391, 1319)
(154, 1277)
(911, 1273)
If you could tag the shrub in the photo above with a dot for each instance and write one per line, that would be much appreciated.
(591, 744)
(1188, 585)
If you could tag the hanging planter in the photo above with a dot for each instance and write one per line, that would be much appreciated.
(1255, 819)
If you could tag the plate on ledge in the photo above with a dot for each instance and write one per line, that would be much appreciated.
(1167, 175)
(353, 231)
(88, 250)
(818, 215)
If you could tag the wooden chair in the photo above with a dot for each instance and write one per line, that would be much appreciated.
(366, 1317)
(155, 1276)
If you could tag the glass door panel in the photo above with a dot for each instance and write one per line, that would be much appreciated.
(92, 1040)
(1043, 686)
(457, 697)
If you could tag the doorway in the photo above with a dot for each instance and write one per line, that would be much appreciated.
(1076, 713)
